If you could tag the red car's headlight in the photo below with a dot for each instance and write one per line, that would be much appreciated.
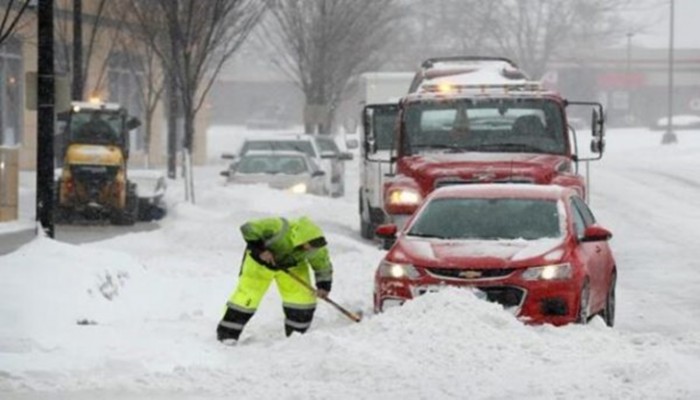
(397, 271)
(548, 272)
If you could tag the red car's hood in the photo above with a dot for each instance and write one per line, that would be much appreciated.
(483, 167)
(477, 253)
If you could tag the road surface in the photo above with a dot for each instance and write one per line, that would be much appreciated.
(74, 234)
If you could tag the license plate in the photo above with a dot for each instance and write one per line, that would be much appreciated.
(436, 288)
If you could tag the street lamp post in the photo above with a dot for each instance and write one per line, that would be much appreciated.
(45, 119)
(77, 88)
(628, 78)
(669, 136)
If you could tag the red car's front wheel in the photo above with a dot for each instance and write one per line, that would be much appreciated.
(608, 313)
(584, 307)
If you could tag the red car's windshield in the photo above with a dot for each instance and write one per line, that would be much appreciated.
(488, 219)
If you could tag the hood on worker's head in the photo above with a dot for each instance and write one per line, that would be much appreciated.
(304, 231)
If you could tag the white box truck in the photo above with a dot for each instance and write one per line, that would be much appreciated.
(377, 88)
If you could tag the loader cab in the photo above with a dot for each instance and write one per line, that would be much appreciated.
(102, 124)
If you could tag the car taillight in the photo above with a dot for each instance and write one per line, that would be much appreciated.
(69, 185)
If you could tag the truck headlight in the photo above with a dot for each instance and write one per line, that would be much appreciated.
(404, 197)
(299, 188)
(397, 271)
(548, 272)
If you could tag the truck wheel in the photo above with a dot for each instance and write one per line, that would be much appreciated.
(61, 214)
(366, 228)
(129, 215)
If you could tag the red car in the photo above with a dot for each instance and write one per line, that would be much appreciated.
(535, 249)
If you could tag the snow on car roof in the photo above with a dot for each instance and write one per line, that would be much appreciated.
(476, 76)
(456, 71)
(552, 192)
(485, 63)
(280, 136)
(286, 153)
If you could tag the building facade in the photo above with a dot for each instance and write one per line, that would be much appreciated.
(632, 83)
(114, 72)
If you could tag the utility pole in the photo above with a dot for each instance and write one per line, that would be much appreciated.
(45, 119)
(670, 137)
(77, 87)
(173, 113)
(628, 80)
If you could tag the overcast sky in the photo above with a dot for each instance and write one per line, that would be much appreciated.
(687, 25)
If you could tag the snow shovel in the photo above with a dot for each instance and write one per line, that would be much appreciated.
(357, 317)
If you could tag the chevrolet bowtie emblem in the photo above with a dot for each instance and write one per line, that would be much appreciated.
(485, 176)
(470, 274)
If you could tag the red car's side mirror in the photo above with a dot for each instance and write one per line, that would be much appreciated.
(386, 231)
(595, 233)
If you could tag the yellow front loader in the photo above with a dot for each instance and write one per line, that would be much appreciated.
(93, 183)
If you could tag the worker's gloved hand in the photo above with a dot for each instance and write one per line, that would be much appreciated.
(323, 289)
(261, 254)
(268, 259)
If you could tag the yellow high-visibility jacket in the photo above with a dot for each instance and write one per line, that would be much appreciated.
(283, 239)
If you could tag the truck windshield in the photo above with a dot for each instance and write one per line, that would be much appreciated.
(96, 127)
(497, 125)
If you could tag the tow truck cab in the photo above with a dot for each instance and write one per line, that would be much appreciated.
(478, 125)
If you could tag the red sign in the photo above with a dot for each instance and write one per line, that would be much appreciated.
(621, 80)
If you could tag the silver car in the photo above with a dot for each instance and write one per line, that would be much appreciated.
(285, 170)
(321, 149)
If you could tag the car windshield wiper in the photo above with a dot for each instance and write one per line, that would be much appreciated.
(426, 235)
(515, 147)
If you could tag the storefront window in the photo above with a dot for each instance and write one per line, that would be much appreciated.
(11, 88)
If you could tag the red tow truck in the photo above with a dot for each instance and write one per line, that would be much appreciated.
(468, 120)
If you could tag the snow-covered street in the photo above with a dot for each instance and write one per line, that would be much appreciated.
(135, 316)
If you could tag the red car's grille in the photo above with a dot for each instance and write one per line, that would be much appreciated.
(507, 296)
(469, 274)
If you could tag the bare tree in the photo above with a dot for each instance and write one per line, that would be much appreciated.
(145, 65)
(13, 11)
(532, 32)
(446, 28)
(103, 22)
(193, 41)
(322, 44)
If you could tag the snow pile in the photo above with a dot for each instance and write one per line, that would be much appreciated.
(680, 121)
